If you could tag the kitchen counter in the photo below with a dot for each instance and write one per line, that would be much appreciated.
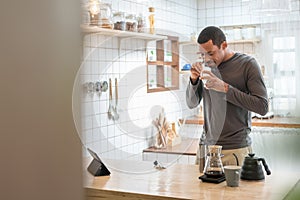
(190, 146)
(140, 180)
(283, 122)
(186, 147)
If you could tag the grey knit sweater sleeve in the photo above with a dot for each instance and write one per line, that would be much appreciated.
(254, 96)
(194, 94)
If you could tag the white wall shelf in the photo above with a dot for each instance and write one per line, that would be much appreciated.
(240, 26)
(184, 71)
(256, 40)
(188, 43)
(121, 34)
(253, 41)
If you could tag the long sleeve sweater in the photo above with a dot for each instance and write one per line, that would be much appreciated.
(227, 116)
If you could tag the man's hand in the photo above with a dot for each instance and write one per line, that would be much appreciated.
(213, 82)
(196, 70)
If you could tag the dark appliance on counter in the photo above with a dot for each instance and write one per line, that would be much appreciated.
(96, 167)
(252, 169)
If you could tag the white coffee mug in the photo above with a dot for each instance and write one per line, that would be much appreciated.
(204, 74)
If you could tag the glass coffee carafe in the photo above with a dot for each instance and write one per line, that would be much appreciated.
(213, 164)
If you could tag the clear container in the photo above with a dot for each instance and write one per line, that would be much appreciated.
(213, 164)
(119, 21)
(94, 10)
(131, 23)
(151, 20)
(141, 23)
(202, 153)
(105, 16)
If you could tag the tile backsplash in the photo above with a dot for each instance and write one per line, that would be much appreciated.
(133, 132)
(105, 57)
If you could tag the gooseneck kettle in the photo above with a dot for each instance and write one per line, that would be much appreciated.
(252, 169)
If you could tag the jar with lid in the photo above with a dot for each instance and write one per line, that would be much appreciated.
(94, 10)
(141, 23)
(151, 20)
(105, 16)
(119, 21)
(131, 23)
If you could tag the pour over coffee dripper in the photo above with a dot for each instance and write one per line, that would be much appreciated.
(213, 164)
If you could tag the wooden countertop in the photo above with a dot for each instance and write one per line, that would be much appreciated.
(284, 122)
(140, 180)
(186, 147)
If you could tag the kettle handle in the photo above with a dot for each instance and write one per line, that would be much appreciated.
(265, 165)
(236, 158)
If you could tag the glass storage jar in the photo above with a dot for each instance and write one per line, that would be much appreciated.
(141, 23)
(94, 10)
(119, 21)
(151, 20)
(105, 16)
(131, 23)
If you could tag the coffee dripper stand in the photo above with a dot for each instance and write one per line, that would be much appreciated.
(213, 169)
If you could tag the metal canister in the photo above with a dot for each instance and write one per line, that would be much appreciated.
(202, 153)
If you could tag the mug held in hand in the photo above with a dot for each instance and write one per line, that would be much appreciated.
(203, 74)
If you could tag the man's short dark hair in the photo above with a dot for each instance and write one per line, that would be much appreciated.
(212, 33)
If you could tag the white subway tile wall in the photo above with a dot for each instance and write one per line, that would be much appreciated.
(105, 57)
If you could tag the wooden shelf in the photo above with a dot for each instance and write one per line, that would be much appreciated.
(160, 64)
(121, 34)
(282, 122)
(184, 71)
(186, 147)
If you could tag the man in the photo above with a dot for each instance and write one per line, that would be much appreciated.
(233, 89)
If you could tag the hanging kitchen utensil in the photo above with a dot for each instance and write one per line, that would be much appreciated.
(110, 111)
(116, 115)
(101, 86)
